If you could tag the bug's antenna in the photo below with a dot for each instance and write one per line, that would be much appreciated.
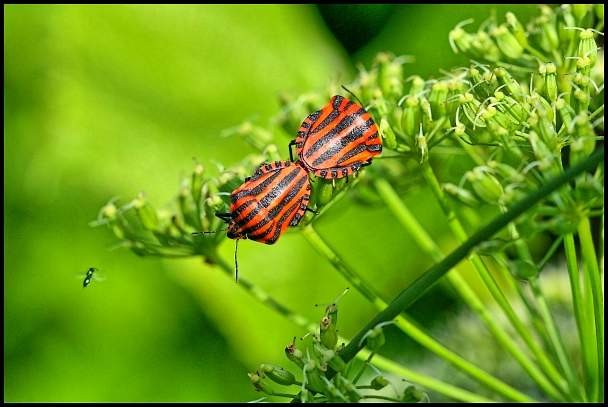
(236, 262)
(339, 297)
(355, 96)
(209, 232)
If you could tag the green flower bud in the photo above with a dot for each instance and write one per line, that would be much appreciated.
(389, 138)
(565, 112)
(390, 75)
(517, 29)
(438, 99)
(484, 47)
(523, 269)
(506, 171)
(507, 42)
(581, 101)
(411, 119)
(485, 185)
(582, 146)
(328, 332)
(379, 382)
(109, 211)
(413, 395)
(512, 86)
(542, 153)
(422, 147)
(548, 71)
(259, 383)
(460, 40)
(145, 212)
(587, 46)
(471, 108)
(460, 130)
(417, 85)
(313, 377)
(186, 207)
(461, 194)
(278, 375)
(294, 354)
(375, 339)
(197, 183)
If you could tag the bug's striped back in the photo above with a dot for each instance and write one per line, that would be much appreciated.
(275, 197)
(338, 139)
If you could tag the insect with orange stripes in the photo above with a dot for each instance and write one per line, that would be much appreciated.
(267, 203)
(337, 140)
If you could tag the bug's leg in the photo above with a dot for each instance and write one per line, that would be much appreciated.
(313, 211)
(225, 216)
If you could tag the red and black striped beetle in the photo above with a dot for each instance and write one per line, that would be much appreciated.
(267, 203)
(337, 140)
(262, 208)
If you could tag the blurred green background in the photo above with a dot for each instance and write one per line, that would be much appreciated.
(103, 101)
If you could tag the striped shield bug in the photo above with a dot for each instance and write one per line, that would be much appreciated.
(337, 140)
(267, 203)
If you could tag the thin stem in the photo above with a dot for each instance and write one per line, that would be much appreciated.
(415, 290)
(430, 383)
(360, 373)
(496, 292)
(593, 274)
(406, 325)
(377, 396)
(588, 351)
(555, 339)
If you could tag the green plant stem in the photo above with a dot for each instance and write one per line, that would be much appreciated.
(379, 397)
(495, 290)
(557, 344)
(409, 222)
(415, 290)
(380, 362)
(593, 275)
(587, 349)
(556, 340)
(430, 383)
(405, 324)
(360, 373)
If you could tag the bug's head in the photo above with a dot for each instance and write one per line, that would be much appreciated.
(233, 231)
